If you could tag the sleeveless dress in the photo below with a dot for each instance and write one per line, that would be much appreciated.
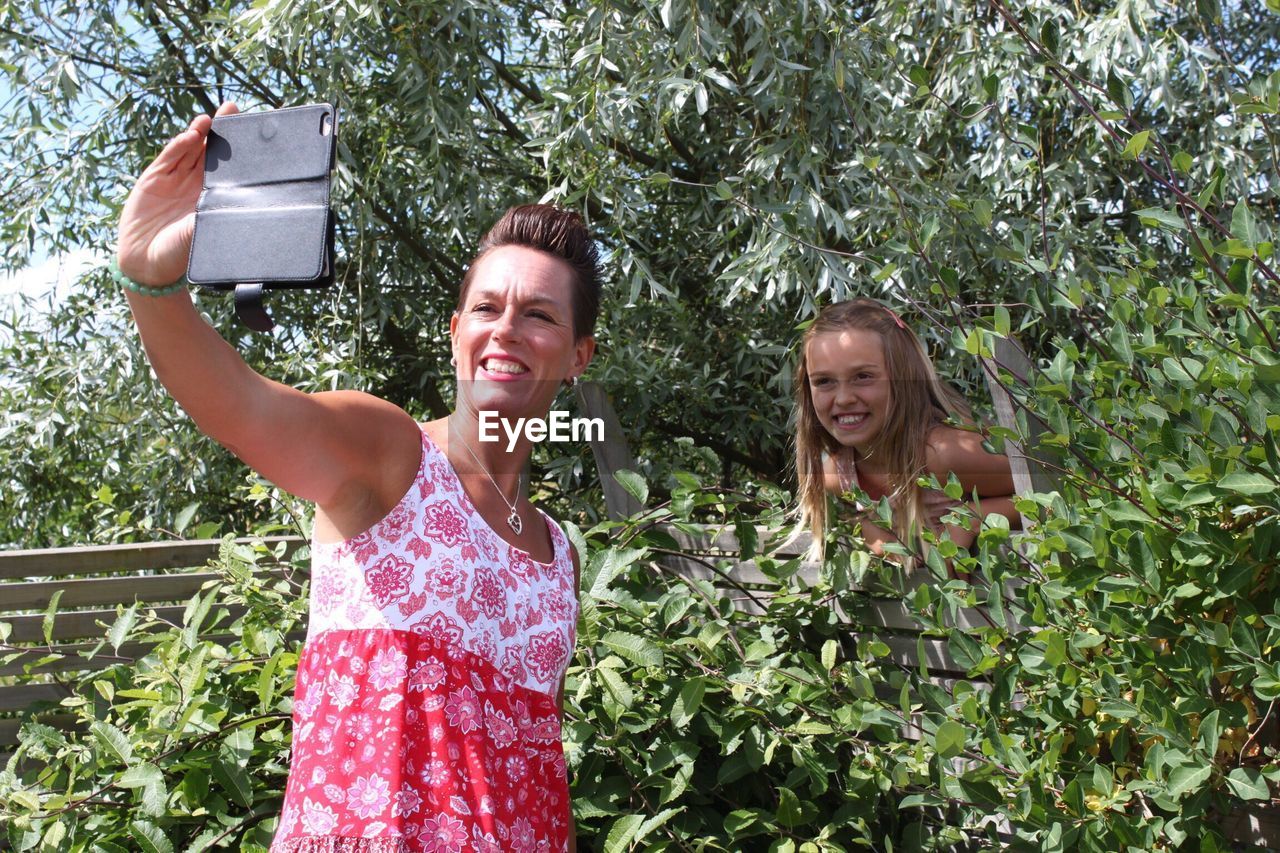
(425, 715)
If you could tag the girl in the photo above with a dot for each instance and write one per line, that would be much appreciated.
(870, 413)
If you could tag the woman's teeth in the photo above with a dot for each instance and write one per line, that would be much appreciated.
(494, 365)
(851, 420)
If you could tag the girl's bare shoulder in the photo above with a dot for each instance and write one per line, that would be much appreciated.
(959, 451)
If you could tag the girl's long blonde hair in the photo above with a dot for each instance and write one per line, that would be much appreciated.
(918, 401)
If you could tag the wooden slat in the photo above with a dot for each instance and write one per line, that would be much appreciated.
(77, 625)
(86, 592)
(895, 614)
(70, 660)
(9, 728)
(98, 591)
(21, 696)
(85, 623)
(1259, 826)
(715, 539)
(144, 556)
(62, 661)
(612, 454)
(1029, 475)
(903, 651)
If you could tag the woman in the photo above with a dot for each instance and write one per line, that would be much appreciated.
(870, 413)
(429, 697)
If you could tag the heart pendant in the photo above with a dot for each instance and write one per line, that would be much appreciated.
(516, 524)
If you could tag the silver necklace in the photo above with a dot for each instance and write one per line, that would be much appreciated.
(513, 520)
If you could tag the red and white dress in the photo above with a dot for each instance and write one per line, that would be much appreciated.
(425, 715)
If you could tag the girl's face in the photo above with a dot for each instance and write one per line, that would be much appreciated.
(849, 385)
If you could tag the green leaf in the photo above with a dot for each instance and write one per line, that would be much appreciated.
(688, 702)
(50, 613)
(234, 780)
(1249, 483)
(1188, 778)
(184, 516)
(41, 739)
(151, 780)
(122, 626)
(603, 569)
(1118, 337)
(111, 741)
(1247, 783)
(1002, 321)
(1161, 218)
(633, 484)
(830, 649)
(982, 209)
(948, 741)
(139, 776)
(1055, 648)
(1119, 708)
(1136, 143)
(636, 649)
(622, 832)
(1243, 226)
(149, 837)
(790, 812)
(614, 683)
(654, 823)
(912, 801)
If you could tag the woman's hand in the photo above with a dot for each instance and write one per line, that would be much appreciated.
(159, 217)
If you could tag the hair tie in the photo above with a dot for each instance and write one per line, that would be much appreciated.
(896, 319)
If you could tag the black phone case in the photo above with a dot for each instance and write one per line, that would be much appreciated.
(263, 219)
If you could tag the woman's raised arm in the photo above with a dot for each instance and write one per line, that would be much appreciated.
(344, 450)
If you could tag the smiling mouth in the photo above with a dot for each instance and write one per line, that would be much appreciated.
(852, 420)
(499, 365)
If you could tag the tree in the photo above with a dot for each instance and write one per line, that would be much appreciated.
(1096, 178)
(740, 165)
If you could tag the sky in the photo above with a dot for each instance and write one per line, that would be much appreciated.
(47, 276)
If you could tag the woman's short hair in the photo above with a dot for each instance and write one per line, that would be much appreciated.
(559, 233)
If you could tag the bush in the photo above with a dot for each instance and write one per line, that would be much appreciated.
(185, 748)
(1115, 699)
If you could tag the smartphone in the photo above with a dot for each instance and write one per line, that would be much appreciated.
(263, 217)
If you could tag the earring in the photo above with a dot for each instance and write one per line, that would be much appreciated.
(570, 381)
(453, 361)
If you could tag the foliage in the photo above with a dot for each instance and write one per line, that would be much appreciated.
(1094, 179)
(95, 449)
(182, 745)
(705, 713)
(1113, 697)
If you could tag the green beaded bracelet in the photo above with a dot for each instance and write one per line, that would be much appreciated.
(129, 284)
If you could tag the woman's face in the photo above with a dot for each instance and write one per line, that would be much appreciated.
(513, 337)
(849, 385)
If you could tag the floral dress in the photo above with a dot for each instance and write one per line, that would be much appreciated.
(425, 716)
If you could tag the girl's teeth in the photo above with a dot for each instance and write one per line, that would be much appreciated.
(503, 367)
